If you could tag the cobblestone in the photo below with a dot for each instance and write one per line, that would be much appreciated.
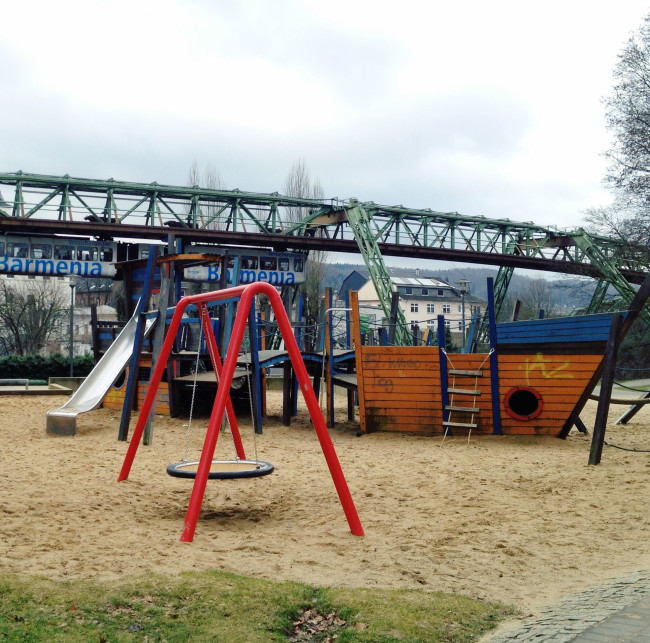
(589, 617)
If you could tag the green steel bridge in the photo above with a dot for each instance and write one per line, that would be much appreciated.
(34, 203)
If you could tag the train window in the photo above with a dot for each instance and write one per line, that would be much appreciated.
(268, 263)
(41, 251)
(249, 263)
(283, 264)
(2, 247)
(87, 253)
(298, 264)
(16, 249)
(144, 252)
(106, 254)
(64, 252)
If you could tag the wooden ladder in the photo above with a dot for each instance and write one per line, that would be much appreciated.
(461, 387)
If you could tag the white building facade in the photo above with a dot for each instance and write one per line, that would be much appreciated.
(422, 299)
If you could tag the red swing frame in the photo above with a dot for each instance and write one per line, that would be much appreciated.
(222, 401)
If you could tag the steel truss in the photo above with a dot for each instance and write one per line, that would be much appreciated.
(53, 203)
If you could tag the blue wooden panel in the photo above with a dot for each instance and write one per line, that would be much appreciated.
(140, 274)
(588, 328)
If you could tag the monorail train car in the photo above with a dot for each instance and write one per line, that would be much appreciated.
(54, 256)
(254, 264)
(62, 256)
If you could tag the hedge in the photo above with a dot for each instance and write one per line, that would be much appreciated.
(37, 367)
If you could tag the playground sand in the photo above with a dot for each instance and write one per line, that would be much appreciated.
(519, 520)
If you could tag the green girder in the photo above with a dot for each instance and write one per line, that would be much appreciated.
(362, 227)
(73, 199)
(609, 271)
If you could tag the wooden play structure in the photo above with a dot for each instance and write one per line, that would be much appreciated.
(245, 296)
(534, 380)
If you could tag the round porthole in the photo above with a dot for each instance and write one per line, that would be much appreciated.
(523, 403)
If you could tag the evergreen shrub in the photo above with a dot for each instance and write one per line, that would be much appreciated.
(37, 367)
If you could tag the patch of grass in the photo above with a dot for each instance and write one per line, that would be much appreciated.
(216, 606)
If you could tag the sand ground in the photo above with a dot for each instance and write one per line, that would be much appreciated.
(519, 520)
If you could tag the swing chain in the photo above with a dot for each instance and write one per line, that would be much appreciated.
(196, 371)
(250, 402)
(204, 311)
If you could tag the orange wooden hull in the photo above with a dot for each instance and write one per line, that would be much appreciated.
(400, 389)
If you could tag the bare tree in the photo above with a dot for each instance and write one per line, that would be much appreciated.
(628, 119)
(534, 295)
(208, 178)
(300, 184)
(30, 313)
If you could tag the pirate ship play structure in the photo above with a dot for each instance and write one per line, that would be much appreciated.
(534, 379)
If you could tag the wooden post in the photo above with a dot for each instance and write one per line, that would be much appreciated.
(286, 393)
(131, 392)
(350, 392)
(223, 312)
(158, 339)
(632, 411)
(255, 377)
(348, 318)
(330, 356)
(262, 336)
(635, 308)
(392, 322)
(444, 380)
(94, 332)
(494, 362)
(605, 396)
(299, 338)
(174, 277)
(358, 353)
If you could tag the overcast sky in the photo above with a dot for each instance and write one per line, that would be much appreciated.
(485, 108)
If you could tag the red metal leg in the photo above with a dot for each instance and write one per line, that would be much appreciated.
(201, 479)
(223, 395)
(217, 366)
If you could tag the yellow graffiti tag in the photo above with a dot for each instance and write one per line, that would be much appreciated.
(549, 369)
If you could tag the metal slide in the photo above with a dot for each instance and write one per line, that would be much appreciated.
(63, 421)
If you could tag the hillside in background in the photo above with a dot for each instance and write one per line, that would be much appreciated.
(556, 295)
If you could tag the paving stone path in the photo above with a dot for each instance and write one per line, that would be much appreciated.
(614, 612)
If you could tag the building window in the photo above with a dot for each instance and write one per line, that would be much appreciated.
(460, 325)
(446, 309)
(425, 291)
(441, 292)
(430, 308)
(431, 323)
(414, 308)
(408, 291)
(460, 308)
(447, 324)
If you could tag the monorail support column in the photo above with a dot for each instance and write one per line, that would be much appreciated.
(501, 284)
(598, 297)
(359, 221)
(609, 271)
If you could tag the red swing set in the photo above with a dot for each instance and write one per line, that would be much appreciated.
(222, 402)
